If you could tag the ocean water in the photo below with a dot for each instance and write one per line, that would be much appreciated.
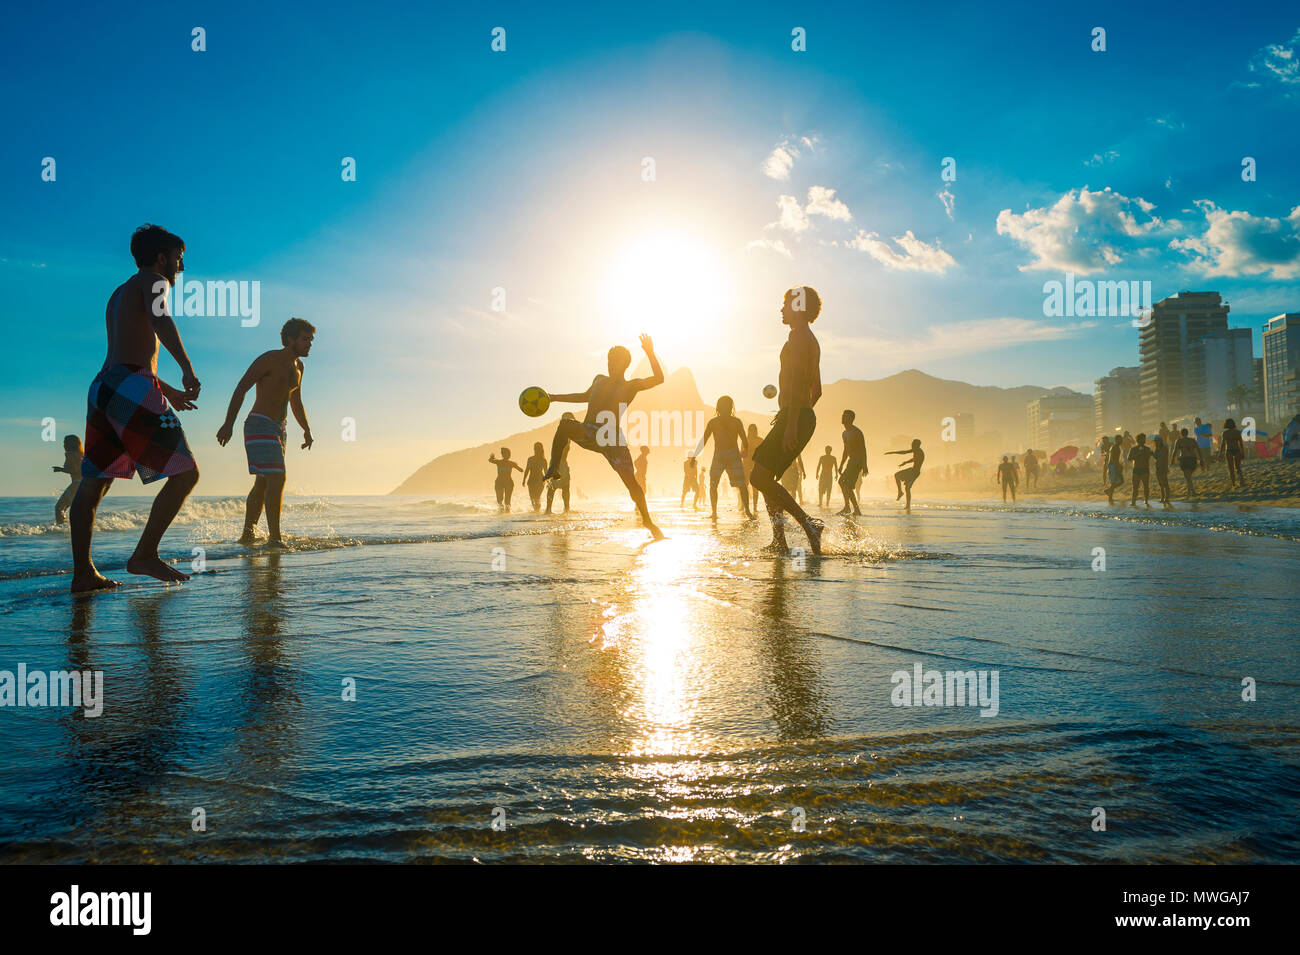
(601, 698)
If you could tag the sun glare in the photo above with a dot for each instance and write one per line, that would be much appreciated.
(672, 286)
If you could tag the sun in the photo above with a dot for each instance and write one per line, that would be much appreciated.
(675, 287)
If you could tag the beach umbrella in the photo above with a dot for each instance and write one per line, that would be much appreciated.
(1061, 455)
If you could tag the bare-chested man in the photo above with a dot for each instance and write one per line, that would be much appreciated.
(799, 387)
(828, 470)
(853, 463)
(601, 431)
(730, 446)
(278, 377)
(130, 424)
(906, 476)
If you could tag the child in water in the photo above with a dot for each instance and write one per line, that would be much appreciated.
(71, 467)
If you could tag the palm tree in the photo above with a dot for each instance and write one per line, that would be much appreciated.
(1238, 395)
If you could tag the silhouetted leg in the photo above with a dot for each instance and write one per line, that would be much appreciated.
(566, 431)
(82, 518)
(253, 509)
(145, 560)
(778, 499)
(274, 502)
(638, 498)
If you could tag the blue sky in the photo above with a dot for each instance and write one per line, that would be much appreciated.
(523, 171)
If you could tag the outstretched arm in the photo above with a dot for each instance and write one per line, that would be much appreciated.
(573, 396)
(641, 384)
(255, 372)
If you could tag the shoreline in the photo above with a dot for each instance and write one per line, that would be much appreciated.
(1268, 483)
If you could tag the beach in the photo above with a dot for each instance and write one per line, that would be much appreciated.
(1268, 483)
(600, 698)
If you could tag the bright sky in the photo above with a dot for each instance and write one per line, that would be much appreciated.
(525, 171)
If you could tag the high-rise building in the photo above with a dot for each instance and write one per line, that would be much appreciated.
(1173, 370)
(1281, 361)
(1117, 401)
(1061, 417)
(1226, 358)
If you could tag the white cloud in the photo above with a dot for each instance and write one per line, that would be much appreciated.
(822, 202)
(1278, 62)
(958, 338)
(1238, 243)
(915, 255)
(1083, 231)
(772, 245)
(781, 160)
(1101, 159)
(948, 199)
(792, 218)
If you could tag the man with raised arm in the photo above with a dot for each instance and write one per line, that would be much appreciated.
(607, 399)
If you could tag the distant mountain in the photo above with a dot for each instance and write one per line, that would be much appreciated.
(889, 411)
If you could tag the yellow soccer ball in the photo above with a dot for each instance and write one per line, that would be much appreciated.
(534, 401)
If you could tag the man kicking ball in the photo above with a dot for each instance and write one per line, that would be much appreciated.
(600, 430)
(800, 385)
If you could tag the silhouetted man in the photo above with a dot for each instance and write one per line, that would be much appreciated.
(130, 424)
(607, 398)
(277, 374)
(853, 463)
(799, 387)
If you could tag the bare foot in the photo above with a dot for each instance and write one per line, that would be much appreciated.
(248, 538)
(814, 530)
(94, 580)
(655, 532)
(900, 496)
(154, 567)
(276, 543)
(776, 548)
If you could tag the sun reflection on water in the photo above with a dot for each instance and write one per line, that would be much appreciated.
(664, 650)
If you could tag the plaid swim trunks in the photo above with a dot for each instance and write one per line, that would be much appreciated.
(130, 427)
(264, 441)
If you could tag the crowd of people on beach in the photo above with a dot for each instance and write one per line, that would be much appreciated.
(733, 461)
(132, 427)
(1190, 449)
